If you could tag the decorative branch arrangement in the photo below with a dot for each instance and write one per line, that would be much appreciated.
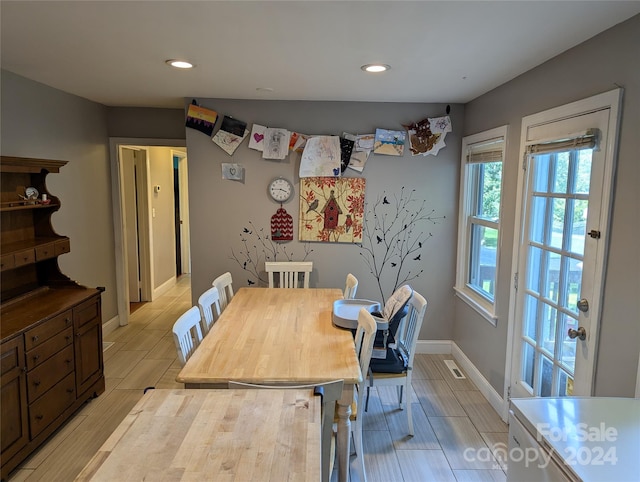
(393, 237)
(258, 247)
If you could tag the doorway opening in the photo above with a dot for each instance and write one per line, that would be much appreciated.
(150, 203)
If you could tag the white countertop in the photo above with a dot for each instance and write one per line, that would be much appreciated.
(597, 438)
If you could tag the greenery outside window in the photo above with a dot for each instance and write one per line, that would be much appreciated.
(479, 220)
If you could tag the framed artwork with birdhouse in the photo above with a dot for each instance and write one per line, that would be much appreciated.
(331, 209)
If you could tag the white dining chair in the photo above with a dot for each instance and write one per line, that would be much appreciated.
(351, 287)
(365, 335)
(396, 368)
(209, 305)
(187, 334)
(288, 273)
(225, 289)
(331, 393)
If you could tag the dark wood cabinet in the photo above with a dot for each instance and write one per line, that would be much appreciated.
(50, 326)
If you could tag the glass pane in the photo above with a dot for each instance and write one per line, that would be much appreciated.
(537, 223)
(568, 349)
(548, 335)
(528, 354)
(546, 378)
(565, 384)
(575, 285)
(561, 172)
(541, 173)
(553, 275)
(530, 317)
(483, 258)
(533, 270)
(583, 171)
(491, 182)
(578, 226)
(559, 206)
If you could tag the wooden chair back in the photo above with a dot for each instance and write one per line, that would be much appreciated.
(187, 334)
(225, 289)
(289, 273)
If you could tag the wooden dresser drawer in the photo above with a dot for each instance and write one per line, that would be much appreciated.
(7, 261)
(43, 377)
(45, 251)
(24, 257)
(49, 407)
(53, 345)
(86, 312)
(62, 246)
(44, 331)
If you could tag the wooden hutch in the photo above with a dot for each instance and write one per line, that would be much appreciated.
(50, 326)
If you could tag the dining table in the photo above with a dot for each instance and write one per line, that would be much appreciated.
(223, 434)
(280, 336)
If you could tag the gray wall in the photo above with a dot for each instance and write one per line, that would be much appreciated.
(220, 209)
(598, 65)
(39, 121)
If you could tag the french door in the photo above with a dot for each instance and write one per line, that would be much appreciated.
(564, 193)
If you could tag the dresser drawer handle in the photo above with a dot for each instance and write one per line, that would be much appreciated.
(34, 338)
(68, 361)
(67, 320)
(36, 357)
(39, 417)
(36, 383)
(68, 337)
(69, 390)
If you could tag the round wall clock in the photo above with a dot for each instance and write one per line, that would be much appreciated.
(280, 190)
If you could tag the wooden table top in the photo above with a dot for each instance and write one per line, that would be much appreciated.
(274, 335)
(230, 435)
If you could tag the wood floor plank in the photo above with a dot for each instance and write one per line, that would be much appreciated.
(437, 398)
(165, 349)
(122, 363)
(498, 443)
(424, 465)
(380, 458)
(144, 340)
(374, 418)
(425, 367)
(454, 383)
(424, 437)
(462, 444)
(480, 475)
(146, 373)
(481, 413)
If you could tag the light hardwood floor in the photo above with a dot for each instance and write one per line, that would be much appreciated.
(457, 433)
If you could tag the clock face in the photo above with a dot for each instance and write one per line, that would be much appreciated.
(280, 190)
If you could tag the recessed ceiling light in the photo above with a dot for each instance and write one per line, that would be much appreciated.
(179, 64)
(375, 68)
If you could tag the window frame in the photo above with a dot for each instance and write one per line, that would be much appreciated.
(467, 219)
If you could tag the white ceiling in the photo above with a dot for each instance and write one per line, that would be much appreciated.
(113, 52)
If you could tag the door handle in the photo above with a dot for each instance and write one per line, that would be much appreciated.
(583, 305)
(580, 333)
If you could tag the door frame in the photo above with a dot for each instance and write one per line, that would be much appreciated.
(608, 100)
(122, 281)
(183, 179)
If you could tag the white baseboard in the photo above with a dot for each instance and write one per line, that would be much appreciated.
(433, 347)
(163, 288)
(492, 396)
(111, 325)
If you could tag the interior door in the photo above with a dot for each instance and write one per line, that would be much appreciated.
(130, 207)
(565, 204)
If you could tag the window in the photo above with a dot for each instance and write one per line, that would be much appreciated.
(479, 219)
